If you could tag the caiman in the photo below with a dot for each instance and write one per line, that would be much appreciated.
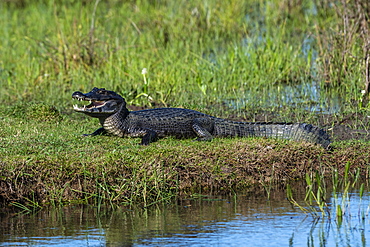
(152, 124)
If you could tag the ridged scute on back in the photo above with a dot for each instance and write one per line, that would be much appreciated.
(311, 133)
(290, 131)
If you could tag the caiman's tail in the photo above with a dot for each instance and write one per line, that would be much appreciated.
(290, 131)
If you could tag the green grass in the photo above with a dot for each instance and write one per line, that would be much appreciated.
(198, 53)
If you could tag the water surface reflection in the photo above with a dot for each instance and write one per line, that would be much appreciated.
(244, 220)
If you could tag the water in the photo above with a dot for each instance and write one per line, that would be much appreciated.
(306, 96)
(243, 220)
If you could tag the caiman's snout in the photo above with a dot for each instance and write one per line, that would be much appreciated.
(78, 96)
(101, 102)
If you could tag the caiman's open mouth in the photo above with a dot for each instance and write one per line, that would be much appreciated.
(93, 105)
(106, 106)
(101, 102)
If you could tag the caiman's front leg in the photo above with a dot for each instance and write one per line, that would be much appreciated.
(150, 136)
(100, 131)
(147, 135)
(203, 127)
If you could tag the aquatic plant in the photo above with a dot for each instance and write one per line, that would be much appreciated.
(318, 191)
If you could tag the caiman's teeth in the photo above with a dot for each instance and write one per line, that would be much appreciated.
(76, 107)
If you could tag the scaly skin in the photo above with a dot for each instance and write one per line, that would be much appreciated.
(115, 118)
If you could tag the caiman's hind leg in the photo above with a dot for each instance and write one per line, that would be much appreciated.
(203, 127)
(100, 131)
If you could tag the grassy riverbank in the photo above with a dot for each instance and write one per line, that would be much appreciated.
(49, 162)
(255, 61)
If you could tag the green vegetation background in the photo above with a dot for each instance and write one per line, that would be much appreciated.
(197, 53)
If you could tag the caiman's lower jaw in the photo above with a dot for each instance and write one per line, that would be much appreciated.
(97, 107)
